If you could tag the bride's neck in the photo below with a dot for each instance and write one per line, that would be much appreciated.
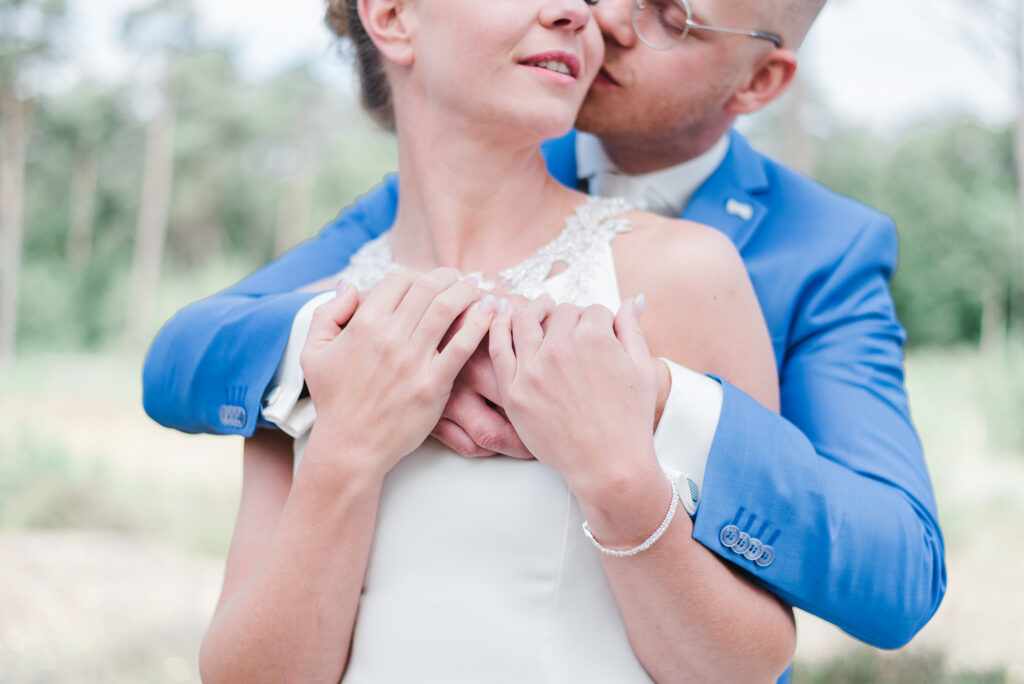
(470, 201)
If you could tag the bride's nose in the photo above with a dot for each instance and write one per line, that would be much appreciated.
(570, 15)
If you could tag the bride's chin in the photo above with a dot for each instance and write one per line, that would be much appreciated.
(545, 124)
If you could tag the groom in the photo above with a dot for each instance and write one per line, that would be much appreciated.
(829, 505)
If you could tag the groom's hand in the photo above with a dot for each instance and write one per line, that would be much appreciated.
(473, 423)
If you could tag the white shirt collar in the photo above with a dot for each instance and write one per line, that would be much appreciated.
(665, 192)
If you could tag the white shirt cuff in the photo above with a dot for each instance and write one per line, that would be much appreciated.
(281, 403)
(687, 429)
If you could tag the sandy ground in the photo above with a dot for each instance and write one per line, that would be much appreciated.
(85, 606)
(101, 606)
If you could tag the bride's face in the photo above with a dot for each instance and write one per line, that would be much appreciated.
(520, 64)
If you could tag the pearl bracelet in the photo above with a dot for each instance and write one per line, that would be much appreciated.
(649, 542)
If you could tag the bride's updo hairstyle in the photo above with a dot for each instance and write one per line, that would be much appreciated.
(375, 93)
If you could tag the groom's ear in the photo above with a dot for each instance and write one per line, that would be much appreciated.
(771, 77)
(390, 24)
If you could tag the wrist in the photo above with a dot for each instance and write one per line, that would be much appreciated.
(623, 509)
(328, 494)
(649, 542)
(337, 461)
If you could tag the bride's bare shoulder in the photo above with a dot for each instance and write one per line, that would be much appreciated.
(702, 310)
(675, 255)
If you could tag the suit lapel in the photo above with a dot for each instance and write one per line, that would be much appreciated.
(729, 199)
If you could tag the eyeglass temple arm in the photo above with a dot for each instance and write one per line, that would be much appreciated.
(753, 34)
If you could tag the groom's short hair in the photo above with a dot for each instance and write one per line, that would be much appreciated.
(791, 19)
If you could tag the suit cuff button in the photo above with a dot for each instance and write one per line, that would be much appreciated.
(729, 535)
(754, 552)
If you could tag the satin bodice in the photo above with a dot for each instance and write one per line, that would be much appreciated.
(479, 570)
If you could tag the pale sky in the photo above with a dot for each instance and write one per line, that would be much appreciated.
(877, 63)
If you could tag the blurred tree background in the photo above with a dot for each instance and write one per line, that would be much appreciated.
(122, 200)
(951, 189)
(114, 193)
(117, 194)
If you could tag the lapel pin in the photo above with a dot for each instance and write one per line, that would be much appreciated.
(735, 208)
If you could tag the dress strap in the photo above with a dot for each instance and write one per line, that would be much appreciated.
(578, 248)
(587, 235)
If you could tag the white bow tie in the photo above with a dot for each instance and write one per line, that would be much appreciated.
(632, 189)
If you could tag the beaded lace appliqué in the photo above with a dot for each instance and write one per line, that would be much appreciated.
(578, 246)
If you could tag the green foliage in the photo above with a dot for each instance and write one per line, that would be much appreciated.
(220, 206)
(27, 30)
(64, 303)
(951, 190)
(238, 145)
(44, 484)
(868, 666)
(261, 165)
(983, 389)
(41, 487)
(62, 310)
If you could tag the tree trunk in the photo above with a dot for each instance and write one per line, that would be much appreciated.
(993, 318)
(151, 230)
(15, 126)
(294, 207)
(83, 209)
(1019, 140)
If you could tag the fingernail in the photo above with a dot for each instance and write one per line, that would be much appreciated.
(502, 305)
(487, 304)
(639, 303)
(342, 286)
(545, 295)
(472, 280)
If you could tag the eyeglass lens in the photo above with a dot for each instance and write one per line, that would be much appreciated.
(660, 24)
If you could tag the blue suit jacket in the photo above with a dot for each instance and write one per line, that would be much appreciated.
(837, 485)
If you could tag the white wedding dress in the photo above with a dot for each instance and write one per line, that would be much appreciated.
(479, 570)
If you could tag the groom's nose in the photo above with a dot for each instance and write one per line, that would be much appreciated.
(614, 17)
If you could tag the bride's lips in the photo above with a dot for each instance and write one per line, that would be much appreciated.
(556, 62)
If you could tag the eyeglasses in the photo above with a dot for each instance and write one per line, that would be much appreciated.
(662, 24)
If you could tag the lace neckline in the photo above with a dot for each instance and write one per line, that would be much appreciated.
(589, 229)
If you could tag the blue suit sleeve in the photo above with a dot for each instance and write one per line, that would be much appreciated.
(209, 366)
(837, 486)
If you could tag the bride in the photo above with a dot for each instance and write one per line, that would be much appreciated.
(380, 555)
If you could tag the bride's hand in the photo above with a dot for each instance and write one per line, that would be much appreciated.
(379, 384)
(473, 422)
(580, 387)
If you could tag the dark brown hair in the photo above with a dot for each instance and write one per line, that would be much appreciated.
(342, 18)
